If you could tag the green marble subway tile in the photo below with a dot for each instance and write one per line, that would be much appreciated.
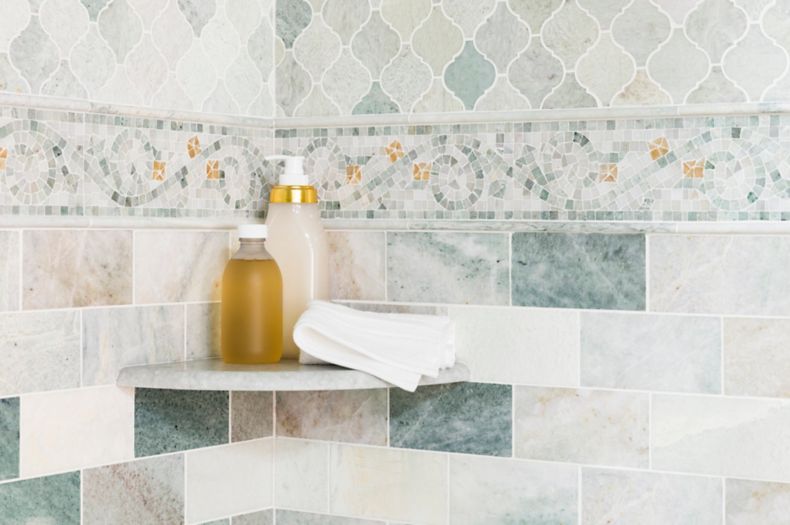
(51, 499)
(448, 267)
(593, 271)
(263, 517)
(291, 517)
(173, 420)
(250, 415)
(9, 438)
(473, 418)
(138, 492)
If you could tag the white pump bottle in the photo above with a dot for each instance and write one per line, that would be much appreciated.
(298, 244)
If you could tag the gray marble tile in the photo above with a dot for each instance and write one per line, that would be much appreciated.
(756, 357)
(41, 351)
(47, 500)
(757, 502)
(9, 270)
(250, 415)
(116, 337)
(178, 265)
(9, 438)
(720, 274)
(616, 496)
(291, 517)
(172, 420)
(203, 330)
(464, 268)
(581, 426)
(721, 436)
(354, 416)
(651, 352)
(264, 517)
(64, 268)
(473, 418)
(497, 490)
(143, 491)
(606, 271)
(356, 265)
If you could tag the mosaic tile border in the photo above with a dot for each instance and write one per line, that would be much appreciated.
(674, 169)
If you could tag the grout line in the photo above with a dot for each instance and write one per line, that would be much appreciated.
(721, 358)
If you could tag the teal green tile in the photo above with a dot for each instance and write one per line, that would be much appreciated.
(595, 271)
(172, 420)
(375, 102)
(9, 438)
(469, 75)
(263, 517)
(472, 418)
(448, 267)
(47, 500)
(292, 17)
(290, 517)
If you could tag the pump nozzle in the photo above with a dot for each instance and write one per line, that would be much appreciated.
(293, 175)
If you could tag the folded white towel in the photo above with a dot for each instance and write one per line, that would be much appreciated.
(398, 348)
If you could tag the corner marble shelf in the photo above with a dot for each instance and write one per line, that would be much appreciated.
(213, 374)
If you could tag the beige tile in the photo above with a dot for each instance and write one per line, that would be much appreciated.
(390, 484)
(302, 475)
(178, 265)
(63, 268)
(72, 429)
(251, 415)
(518, 345)
(9, 270)
(757, 357)
(230, 479)
(356, 416)
(39, 351)
(203, 330)
(356, 265)
(581, 426)
(118, 337)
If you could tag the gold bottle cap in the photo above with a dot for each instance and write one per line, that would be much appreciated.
(293, 195)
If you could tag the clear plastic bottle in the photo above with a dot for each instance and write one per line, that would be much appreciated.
(252, 302)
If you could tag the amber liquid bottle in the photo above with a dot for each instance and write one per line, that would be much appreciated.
(252, 302)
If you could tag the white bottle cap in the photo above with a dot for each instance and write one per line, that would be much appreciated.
(253, 231)
(293, 174)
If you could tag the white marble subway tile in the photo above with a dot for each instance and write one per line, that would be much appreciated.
(63, 268)
(581, 425)
(203, 330)
(651, 352)
(498, 490)
(721, 436)
(40, 351)
(227, 480)
(518, 345)
(302, 480)
(356, 265)
(9, 270)
(116, 337)
(381, 483)
(720, 274)
(757, 357)
(646, 498)
(72, 429)
(757, 502)
(177, 265)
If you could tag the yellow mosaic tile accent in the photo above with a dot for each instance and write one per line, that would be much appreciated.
(421, 171)
(193, 147)
(394, 151)
(159, 170)
(694, 169)
(608, 173)
(659, 148)
(212, 170)
(353, 174)
(3, 158)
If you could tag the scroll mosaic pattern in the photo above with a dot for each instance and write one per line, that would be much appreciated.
(203, 55)
(58, 163)
(400, 56)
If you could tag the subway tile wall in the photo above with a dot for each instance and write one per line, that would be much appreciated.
(575, 412)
